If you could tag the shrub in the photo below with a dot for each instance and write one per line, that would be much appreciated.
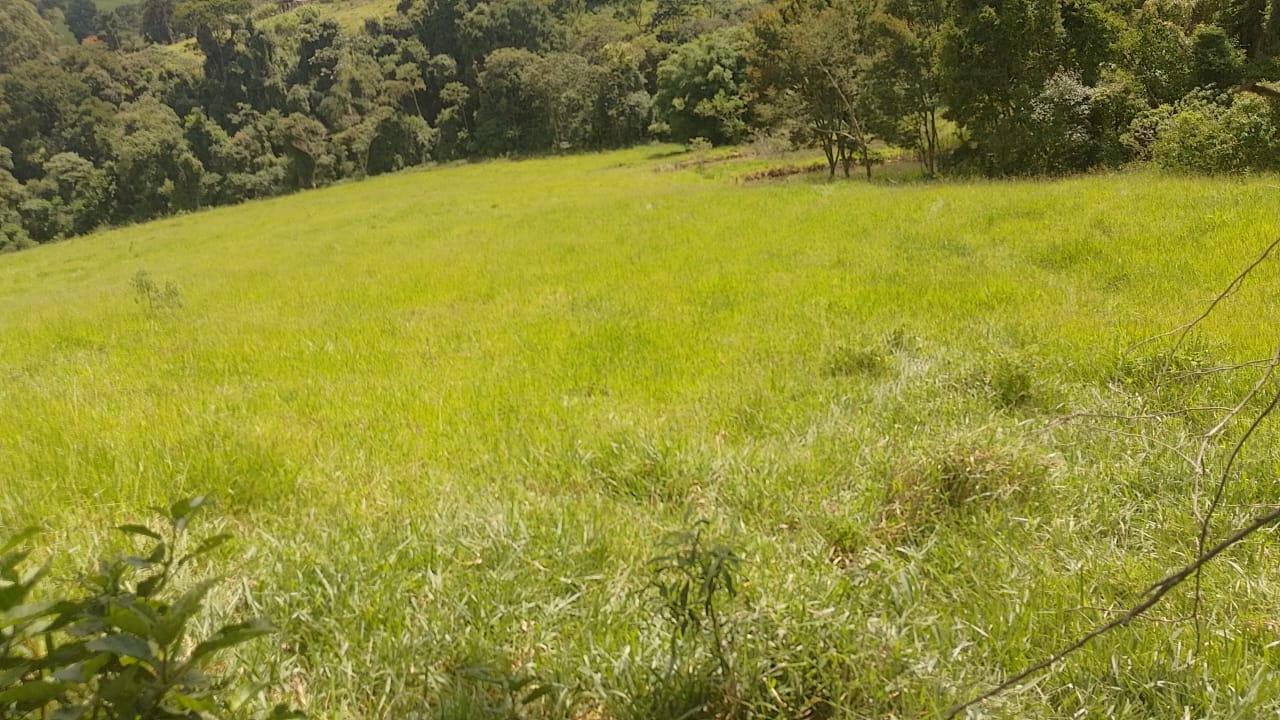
(123, 649)
(1211, 134)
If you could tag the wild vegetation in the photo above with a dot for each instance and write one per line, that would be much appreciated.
(615, 436)
(167, 106)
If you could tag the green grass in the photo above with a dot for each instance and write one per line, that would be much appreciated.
(451, 413)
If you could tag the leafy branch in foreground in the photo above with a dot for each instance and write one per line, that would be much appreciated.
(1150, 597)
(124, 650)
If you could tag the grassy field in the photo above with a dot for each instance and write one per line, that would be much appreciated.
(451, 415)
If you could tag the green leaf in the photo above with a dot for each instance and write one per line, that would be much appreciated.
(192, 703)
(132, 618)
(138, 563)
(208, 545)
(142, 530)
(148, 587)
(230, 636)
(170, 626)
(157, 554)
(182, 511)
(81, 672)
(123, 645)
(34, 693)
(17, 539)
(26, 613)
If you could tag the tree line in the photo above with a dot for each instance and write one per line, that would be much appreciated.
(123, 125)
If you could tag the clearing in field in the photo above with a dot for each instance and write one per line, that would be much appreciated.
(454, 415)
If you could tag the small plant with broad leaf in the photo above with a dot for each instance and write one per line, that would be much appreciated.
(123, 650)
(695, 581)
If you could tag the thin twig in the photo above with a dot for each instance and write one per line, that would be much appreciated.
(1139, 436)
(1182, 330)
(1240, 406)
(1113, 611)
(1143, 416)
(1217, 369)
(1151, 596)
(1217, 498)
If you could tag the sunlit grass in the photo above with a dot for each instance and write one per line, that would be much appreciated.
(449, 413)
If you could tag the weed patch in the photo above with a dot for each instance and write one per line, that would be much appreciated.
(153, 296)
(640, 468)
(867, 361)
(955, 480)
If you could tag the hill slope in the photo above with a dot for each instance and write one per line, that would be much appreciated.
(451, 413)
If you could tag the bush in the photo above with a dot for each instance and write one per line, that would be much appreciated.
(122, 649)
(1208, 134)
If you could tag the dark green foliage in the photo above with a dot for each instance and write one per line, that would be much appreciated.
(702, 89)
(695, 580)
(1214, 134)
(156, 173)
(1158, 53)
(23, 33)
(996, 62)
(1214, 62)
(81, 17)
(122, 647)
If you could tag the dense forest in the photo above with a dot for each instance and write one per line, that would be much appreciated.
(111, 116)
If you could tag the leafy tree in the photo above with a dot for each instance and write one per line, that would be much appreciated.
(1210, 133)
(48, 110)
(996, 62)
(24, 35)
(455, 134)
(318, 53)
(239, 70)
(304, 140)
(155, 171)
(1091, 37)
(1246, 23)
(702, 89)
(120, 25)
(906, 73)
(813, 66)
(82, 18)
(1158, 53)
(12, 235)
(622, 104)
(512, 115)
(74, 197)
(399, 141)
(1214, 62)
(214, 16)
(523, 24)
(157, 20)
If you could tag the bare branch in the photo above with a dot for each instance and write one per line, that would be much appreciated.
(1150, 597)
(1182, 330)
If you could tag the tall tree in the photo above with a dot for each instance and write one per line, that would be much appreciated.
(813, 65)
(702, 89)
(157, 20)
(24, 35)
(996, 61)
(906, 72)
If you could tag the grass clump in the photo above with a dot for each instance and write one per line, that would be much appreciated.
(640, 468)
(957, 479)
(844, 361)
(154, 296)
